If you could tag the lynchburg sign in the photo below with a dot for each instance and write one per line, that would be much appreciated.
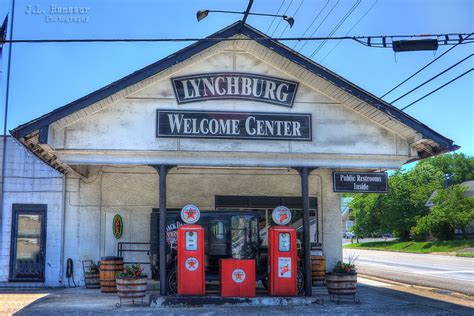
(219, 86)
(239, 125)
(373, 182)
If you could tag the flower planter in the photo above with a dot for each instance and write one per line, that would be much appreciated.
(342, 284)
(92, 280)
(131, 288)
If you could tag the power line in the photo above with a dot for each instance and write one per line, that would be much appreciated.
(332, 9)
(270, 26)
(294, 15)
(441, 87)
(432, 78)
(360, 39)
(338, 25)
(284, 13)
(314, 20)
(425, 66)
(347, 33)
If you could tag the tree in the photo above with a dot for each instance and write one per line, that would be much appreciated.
(398, 210)
(451, 210)
(458, 166)
(367, 214)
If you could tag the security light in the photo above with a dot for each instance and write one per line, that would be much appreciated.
(201, 14)
(289, 19)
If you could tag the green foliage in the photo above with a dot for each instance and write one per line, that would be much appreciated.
(402, 210)
(94, 267)
(458, 165)
(415, 247)
(134, 271)
(451, 210)
(397, 210)
(344, 267)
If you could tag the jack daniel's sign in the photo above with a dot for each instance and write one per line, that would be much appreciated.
(219, 86)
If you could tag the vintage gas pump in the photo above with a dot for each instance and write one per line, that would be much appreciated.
(191, 265)
(283, 255)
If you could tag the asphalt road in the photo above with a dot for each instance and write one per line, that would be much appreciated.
(443, 272)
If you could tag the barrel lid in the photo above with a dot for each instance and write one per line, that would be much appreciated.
(111, 258)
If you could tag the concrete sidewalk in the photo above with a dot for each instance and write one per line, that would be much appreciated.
(377, 298)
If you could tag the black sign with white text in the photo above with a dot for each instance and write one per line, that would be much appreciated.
(238, 125)
(370, 182)
(230, 85)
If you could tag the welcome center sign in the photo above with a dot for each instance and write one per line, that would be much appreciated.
(238, 125)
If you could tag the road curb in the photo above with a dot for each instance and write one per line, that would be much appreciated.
(432, 290)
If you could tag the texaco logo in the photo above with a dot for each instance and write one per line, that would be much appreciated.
(191, 264)
(190, 214)
(281, 215)
(238, 275)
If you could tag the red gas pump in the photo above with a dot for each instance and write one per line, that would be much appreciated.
(283, 255)
(191, 265)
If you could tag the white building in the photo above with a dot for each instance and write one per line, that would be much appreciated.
(233, 141)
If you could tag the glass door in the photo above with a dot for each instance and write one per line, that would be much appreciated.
(27, 252)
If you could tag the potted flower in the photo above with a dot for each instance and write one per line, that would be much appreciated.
(342, 281)
(92, 275)
(131, 283)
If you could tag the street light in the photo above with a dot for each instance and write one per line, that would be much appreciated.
(201, 14)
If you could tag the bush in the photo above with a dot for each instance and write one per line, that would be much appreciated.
(420, 232)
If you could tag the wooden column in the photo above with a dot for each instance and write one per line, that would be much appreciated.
(308, 284)
(162, 231)
(163, 172)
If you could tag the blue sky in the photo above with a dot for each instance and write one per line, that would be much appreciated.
(46, 76)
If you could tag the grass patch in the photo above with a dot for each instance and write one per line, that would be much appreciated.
(465, 254)
(414, 247)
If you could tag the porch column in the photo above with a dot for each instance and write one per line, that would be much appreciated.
(308, 283)
(163, 172)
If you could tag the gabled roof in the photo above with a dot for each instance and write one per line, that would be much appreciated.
(42, 123)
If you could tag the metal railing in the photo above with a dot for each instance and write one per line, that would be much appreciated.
(126, 247)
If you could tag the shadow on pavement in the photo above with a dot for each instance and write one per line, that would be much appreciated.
(376, 299)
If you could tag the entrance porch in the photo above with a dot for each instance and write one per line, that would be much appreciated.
(134, 191)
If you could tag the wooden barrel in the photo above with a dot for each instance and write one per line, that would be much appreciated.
(131, 288)
(92, 280)
(341, 284)
(318, 268)
(109, 267)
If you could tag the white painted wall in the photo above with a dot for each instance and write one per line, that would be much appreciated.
(30, 181)
(132, 192)
(125, 132)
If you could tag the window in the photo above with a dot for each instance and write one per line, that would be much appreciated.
(219, 230)
(244, 233)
